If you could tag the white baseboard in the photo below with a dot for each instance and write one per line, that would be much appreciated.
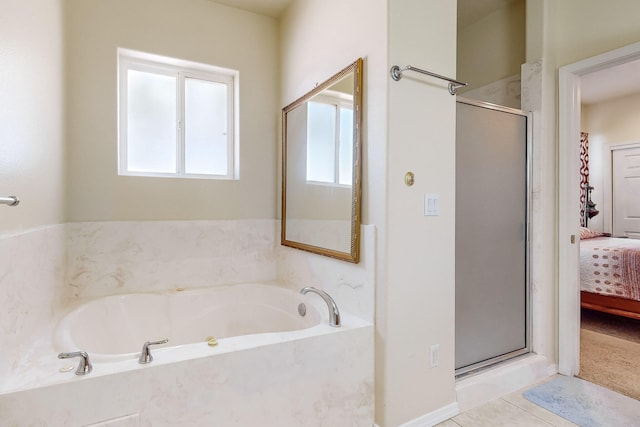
(435, 417)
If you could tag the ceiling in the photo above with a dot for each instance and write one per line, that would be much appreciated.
(272, 8)
(469, 11)
(615, 82)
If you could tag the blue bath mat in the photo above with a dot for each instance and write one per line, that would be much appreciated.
(584, 403)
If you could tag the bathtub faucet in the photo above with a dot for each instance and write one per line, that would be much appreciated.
(85, 365)
(334, 314)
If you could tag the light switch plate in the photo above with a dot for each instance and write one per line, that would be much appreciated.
(431, 204)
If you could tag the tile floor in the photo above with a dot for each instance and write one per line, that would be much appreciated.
(512, 410)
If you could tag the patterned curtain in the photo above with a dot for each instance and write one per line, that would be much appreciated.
(584, 174)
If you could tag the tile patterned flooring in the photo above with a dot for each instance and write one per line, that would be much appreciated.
(512, 410)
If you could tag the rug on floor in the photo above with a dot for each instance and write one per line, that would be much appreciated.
(611, 362)
(584, 403)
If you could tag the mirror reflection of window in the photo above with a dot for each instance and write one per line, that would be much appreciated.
(330, 139)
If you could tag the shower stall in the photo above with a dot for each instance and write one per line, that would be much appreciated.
(492, 216)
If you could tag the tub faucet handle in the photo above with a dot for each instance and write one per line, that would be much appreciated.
(145, 356)
(334, 314)
(84, 367)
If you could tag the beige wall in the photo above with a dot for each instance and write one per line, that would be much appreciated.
(492, 48)
(608, 123)
(613, 121)
(31, 113)
(420, 253)
(584, 28)
(195, 30)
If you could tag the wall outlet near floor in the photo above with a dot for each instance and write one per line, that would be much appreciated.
(435, 355)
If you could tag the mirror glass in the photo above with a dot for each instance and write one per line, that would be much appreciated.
(321, 167)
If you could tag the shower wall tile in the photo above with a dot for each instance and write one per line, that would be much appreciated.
(505, 92)
(106, 258)
(531, 86)
(352, 286)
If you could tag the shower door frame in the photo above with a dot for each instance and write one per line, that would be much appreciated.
(478, 366)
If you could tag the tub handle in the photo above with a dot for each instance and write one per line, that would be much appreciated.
(84, 367)
(145, 355)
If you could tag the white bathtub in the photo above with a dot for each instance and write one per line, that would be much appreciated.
(271, 366)
(115, 328)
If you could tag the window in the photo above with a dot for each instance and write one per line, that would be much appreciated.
(330, 138)
(176, 118)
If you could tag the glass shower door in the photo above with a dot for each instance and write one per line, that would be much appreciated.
(491, 235)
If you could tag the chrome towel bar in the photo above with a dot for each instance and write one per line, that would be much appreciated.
(396, 74)
(11, 201)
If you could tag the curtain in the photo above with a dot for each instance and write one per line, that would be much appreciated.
(584, 174)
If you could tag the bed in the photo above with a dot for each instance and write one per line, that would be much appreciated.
(610, 274)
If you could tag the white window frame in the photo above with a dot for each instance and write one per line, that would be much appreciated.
(337, 99)
(182, 70)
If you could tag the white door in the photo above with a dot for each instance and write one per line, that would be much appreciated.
(626, 192)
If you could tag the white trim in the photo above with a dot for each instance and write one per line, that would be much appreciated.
(181, 70)
(434, 417)
(568, 219)
(568, 224)
(623, 145)
(607, 180)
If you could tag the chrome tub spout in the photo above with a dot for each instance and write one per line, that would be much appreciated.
(334, 314)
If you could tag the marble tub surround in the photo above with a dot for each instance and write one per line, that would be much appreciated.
(108, 258)
(316, 377)
(32, 265)
(49, 271)
(352, 286)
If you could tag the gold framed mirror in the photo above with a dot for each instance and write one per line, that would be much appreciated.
(322, 167)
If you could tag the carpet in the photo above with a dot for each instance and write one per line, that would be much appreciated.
(584, 403)
(610, 324)
(611, 362)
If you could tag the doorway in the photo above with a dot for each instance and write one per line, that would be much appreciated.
(568, 250)
(492, 201)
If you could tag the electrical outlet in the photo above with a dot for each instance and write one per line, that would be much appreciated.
(435, 356)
